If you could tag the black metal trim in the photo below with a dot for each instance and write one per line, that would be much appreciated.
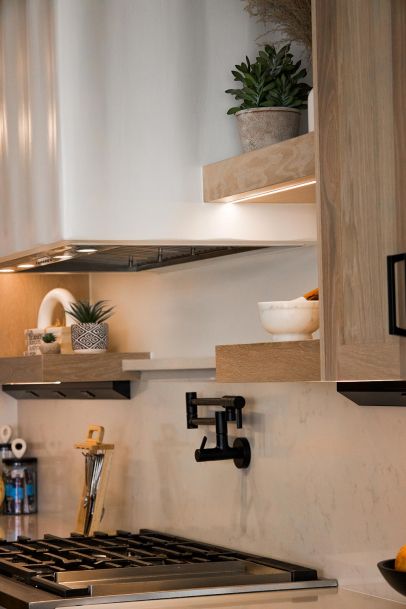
(92, 390)
(391, 262)
(374, 393)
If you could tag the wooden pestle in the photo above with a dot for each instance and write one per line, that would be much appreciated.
(313, 295)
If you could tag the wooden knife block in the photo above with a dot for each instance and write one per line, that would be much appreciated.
(93, 445)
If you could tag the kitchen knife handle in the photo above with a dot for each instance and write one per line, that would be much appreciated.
(392, 296)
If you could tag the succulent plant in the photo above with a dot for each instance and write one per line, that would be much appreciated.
(85, 313)
(49, 337)
(273, 80)
(287, 92)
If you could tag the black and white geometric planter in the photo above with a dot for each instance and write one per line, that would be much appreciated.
(90, 337)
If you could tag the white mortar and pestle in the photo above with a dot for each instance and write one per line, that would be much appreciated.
(290, 320)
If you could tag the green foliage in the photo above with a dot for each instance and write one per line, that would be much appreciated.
(85, 313)
(273, 80)
(49, 337)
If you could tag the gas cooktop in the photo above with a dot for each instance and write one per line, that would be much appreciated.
(59, 572)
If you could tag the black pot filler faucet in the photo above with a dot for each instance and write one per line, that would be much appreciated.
(240, 451)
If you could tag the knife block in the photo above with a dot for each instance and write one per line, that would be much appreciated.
(93, 445)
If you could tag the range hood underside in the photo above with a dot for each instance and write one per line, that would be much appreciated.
(107, 258)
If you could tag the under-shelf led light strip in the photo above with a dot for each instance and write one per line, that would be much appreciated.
(60, 257)
(273, 191)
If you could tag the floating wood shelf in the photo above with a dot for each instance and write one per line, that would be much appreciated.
(281, 173)
(267, 362)
(70, 367)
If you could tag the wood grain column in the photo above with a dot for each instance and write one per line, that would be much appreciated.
(359, 70)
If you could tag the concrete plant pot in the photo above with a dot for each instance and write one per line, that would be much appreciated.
(49, 348)
(259, 127)
(90, 338)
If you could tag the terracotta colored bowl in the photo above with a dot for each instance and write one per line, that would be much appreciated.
(396, 579)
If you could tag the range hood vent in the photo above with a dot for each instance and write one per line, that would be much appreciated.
(375, 393)
(103, 258)
(101, 390)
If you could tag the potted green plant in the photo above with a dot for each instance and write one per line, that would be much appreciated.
(271, 97)
(49, 344)
(90, 333)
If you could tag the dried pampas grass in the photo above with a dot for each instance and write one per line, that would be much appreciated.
(291, 18)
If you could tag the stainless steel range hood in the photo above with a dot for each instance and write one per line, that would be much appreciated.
(122, 173)
(90, 258)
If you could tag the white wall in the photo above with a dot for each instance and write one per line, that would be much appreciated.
(9, 412)
(187, 311)
(326, 484)
(142, 107)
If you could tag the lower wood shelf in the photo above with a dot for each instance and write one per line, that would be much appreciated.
(267, 362)
(69, 367)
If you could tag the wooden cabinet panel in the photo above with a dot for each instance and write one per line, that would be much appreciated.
(20, 298)
(399, 92)
(360, 81)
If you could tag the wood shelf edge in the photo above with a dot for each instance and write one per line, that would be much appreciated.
(288, 163)
(295, 361)
(67, 367)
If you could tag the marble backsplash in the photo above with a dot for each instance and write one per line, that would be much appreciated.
(326, 486)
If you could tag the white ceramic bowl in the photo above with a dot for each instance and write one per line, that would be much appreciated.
(290, 319)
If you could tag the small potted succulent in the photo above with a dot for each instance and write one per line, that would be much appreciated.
(271, 97)
(49, 344)
(91, 332)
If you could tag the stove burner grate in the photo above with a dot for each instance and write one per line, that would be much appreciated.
(84, 566)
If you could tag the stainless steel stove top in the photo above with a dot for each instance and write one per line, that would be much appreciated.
(59, 572)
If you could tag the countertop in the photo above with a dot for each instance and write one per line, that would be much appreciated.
(332, 598)
(329, 598)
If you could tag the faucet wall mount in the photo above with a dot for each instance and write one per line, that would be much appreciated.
(240, 451)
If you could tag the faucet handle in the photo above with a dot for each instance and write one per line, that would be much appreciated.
(234, 405)
(203, 444)
(238, 418)
(233, 401)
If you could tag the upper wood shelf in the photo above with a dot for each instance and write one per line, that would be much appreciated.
(70, 367)
(282, 173)
(268, 362)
